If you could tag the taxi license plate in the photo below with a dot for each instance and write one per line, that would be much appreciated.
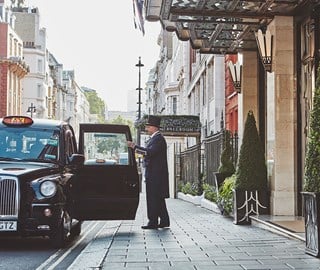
(8, 226)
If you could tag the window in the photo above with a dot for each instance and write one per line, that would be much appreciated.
(15, 47)
(11, 45)
(174, 105)
(210, 82)
(26, 143)
(149, 93)
(40, 67)
(39, 90)
(105, 148)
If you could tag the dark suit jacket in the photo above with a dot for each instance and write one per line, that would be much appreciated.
(156, 165)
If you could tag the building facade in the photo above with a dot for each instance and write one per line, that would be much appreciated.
(32, 81)
(276, 84)
(36, 84)
(187, 82)
(13, 68)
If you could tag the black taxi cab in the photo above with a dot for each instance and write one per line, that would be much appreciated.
(50, 183)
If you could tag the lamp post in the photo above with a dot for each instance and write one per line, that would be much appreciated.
(31, 109)
(139, 65)
(236, 74)
(265, 46)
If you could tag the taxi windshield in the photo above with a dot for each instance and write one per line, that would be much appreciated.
(29, 144)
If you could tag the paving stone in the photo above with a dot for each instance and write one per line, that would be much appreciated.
(197, 239)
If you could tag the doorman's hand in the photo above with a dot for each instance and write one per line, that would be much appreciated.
(131, 144)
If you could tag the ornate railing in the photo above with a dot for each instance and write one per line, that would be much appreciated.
(190, 165)
(212, 151)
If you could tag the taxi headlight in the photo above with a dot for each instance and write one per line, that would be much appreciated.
(48, 188)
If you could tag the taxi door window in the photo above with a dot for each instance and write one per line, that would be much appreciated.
(105, 148)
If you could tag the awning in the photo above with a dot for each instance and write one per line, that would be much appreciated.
(221, 27)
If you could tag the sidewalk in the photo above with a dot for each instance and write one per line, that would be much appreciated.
(197, 239)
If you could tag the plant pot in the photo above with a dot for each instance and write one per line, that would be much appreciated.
(311, 205)
(247, 203)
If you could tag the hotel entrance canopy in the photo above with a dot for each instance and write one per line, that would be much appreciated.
(221, 27)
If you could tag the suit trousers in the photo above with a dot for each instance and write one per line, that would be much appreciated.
(156, 207)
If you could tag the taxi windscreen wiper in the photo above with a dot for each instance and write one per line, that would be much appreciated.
(9, 159)
(40, 160)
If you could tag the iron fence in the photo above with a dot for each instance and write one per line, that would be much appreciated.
(212, 152)
(193, 161)
(213, 146)
(190, 165)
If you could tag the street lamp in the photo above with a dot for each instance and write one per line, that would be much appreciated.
(265, 46)
(139, 65)
(31, 109)
(236, 74)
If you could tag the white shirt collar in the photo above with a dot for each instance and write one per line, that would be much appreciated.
(154, 134)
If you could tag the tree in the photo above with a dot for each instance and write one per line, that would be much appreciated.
(97, 105)
(226, 167)
(251, 173)
(108, 146)
(120, 120)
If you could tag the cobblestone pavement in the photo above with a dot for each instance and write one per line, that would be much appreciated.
(197, 239)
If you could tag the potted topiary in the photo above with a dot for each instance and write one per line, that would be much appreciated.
(251, 196)
(311, 189)
(226, 168)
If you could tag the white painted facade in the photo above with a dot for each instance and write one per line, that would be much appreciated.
(35, 83)
(51, 90)
(185, 82)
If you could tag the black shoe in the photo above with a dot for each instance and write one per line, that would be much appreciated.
(149, 227)
(163, 225)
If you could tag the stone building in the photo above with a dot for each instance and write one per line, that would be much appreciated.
(36, 84)
(12, 65)
(49, 91)
(187, 82)
(279, 47)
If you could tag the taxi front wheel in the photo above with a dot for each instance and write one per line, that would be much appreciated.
(76, 230)
(59, 236)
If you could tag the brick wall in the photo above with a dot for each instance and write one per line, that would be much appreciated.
(3, 88)
(3, 39)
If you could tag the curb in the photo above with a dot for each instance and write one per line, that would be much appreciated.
(93, 255)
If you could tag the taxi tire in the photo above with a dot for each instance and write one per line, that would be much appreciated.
(76, 230)
(59, 236)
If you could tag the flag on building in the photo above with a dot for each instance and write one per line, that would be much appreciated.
(138, 14)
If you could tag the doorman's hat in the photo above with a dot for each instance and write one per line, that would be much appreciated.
(153, 121)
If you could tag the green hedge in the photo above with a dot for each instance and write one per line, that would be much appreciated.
(225, 198)
(312, 166)
(209, 193)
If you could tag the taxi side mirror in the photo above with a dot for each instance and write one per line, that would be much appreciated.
(77, 159)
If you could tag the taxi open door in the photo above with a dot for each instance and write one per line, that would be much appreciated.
(106, 187)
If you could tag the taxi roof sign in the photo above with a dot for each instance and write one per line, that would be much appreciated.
(17, 120)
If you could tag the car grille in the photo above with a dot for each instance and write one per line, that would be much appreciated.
(9, 197)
